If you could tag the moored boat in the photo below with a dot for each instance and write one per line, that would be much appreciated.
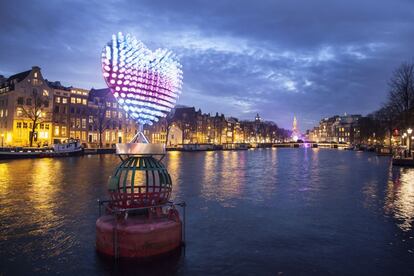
(70, 147)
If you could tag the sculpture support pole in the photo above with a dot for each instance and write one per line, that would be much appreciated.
(140, 134)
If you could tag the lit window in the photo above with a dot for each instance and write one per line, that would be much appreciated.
(78, 100)
(1, 113)
(114, 115)
(57, 130)
(120, 115)
(84, 101)
(35, 74)
(19, 125)
(114, 105)
(64, 100)
(77, 123)
(83, 135)
(73, 100)
(57, 99)
(107, 137)
(45, 93)
(44, 134)
(108, 114)
(83, 123)
(90, 119)
(19, 111)
(72, 134)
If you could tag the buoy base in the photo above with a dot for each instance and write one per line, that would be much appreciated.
(137, 236)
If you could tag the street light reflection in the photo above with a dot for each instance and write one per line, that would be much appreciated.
(400, 197)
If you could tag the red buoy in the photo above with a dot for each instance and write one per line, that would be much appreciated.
(139, 222)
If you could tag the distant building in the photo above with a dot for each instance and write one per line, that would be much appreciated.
(338, 129)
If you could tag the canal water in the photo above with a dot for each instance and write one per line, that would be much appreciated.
(255, 212)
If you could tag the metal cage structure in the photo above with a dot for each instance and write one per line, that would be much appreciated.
(139, 181)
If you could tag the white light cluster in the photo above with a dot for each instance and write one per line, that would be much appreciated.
(145, 83)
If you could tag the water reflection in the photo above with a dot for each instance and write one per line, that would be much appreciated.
(400, 196)
(292, 210)
(223, 176)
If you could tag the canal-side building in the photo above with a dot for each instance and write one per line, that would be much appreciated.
(60, 116)
(108, 123)
(26, 109)
(95, 118)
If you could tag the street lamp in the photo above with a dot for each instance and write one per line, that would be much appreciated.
(403, 138)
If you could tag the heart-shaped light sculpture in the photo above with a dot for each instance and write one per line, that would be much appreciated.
(146, 84)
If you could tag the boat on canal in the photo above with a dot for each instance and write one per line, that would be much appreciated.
(384, 151)
(70, 147)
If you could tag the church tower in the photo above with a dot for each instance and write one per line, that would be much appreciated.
(295, 131)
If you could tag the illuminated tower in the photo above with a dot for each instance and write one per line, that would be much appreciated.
(295, 130)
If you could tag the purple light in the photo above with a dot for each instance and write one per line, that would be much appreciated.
(147, 82)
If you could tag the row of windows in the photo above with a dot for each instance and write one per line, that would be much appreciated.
(29, 101)
(114, 114)
(114, 105)
(60, 131)
(78, 101)
(61, 100)
(19, 112)
(77, 122)
(4, 113)
(4, 89)
(29, 125)
(93, 137)
(79, 92)
(64, 93)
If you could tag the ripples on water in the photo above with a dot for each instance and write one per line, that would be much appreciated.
(297, 211)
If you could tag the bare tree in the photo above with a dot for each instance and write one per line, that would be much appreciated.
(34, 109)
(386, 117)
(101, 119)
(401, 95)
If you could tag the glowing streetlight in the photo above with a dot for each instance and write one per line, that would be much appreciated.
(409, 131)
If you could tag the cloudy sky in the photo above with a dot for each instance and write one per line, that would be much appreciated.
(306, 58)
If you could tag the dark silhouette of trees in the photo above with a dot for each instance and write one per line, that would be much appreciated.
(400, 103)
